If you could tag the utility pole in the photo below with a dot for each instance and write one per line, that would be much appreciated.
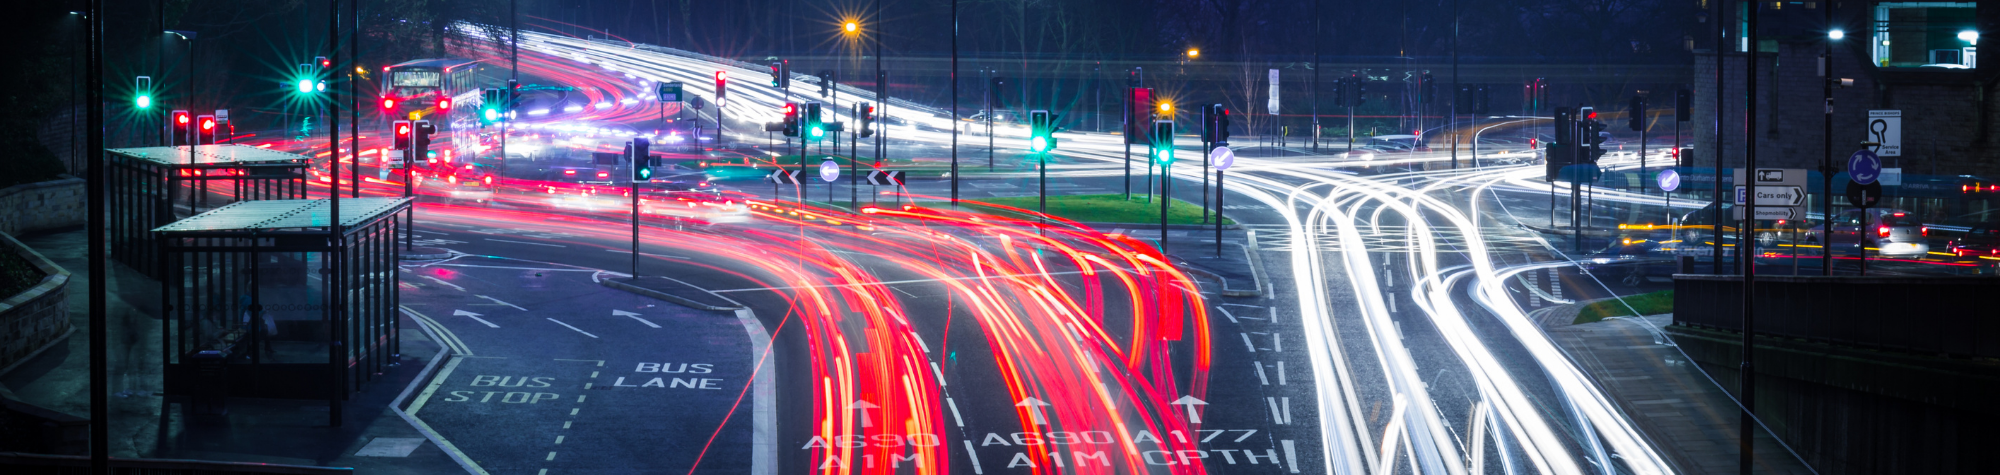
(954, 103)
(1826, 161)
(100, 269)
(1746, 251)
(1457, 85)
(1313, 90)
(338, 312)
(1721, 105)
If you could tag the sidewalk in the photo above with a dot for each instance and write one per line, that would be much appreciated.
(1691, 420)
(145, 424)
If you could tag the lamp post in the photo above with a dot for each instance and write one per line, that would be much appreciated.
(1826, 161)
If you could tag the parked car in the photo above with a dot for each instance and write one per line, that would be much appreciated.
(1891, 232)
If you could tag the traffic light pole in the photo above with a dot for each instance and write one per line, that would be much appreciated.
(1746, 252)
(954, 103)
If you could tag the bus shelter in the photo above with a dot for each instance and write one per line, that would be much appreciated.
(273, 299)
(149, 187)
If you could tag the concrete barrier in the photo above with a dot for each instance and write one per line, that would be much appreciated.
(37, 318)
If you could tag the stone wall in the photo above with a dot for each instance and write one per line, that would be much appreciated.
(36, 318)
(40, 206)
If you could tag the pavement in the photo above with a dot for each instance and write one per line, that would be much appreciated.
(1690, 419)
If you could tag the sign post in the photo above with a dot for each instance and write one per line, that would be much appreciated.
(1224, 158)
(1864, 196)
(1669, 181)
(1781, 194)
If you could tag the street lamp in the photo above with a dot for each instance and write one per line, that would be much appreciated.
(1193, 53)
(1166, 108)
(1969, 36)
(852, 27)
(1835, 34)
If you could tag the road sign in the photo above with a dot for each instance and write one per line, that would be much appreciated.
(1223, 157)
(1670, 180)
(1864, 196)
(1891, 177)
(1864, 167)
(885, 177)
(668, 92)
(829, 171)
(1272, 105)
(697, 102)
(1886, 128)
(783, 177)
(1781, 193)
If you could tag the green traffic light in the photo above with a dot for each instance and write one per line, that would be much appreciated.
(492, 115)
(818, 132)
(1039, 144)
(144, 101)
(305, 86)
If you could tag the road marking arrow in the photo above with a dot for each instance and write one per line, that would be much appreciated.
(1035, 410)
(863, 406)
(475, 316)
(1194, 416)
(622, 313)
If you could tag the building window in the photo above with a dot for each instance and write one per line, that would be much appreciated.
(1925, 34)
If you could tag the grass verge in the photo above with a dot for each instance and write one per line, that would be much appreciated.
(1648, 304)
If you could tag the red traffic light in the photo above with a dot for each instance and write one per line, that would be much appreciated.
(791, 108)
(207, 124)
(1593, 114)
(403, 129)
(325, 63)
(388, 103)
(181, 118)
(444, 103)
(721, 76)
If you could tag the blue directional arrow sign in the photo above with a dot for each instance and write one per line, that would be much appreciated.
(1864, 167)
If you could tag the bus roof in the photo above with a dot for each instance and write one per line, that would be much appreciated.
(440, 63)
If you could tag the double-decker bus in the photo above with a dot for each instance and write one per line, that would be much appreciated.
(427, 88)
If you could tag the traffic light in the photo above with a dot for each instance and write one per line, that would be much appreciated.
(1473, 99)
(205, 130)
(1482, 100)
(492, 105)
(642, 159)
(421, 139)
(444, 103)
(1636, 113)
(1593, 136)
(825, 82)
(791, 119)
(323, 62)
(1562, 151)
(142, 93)
(1682, 100)
(1214, 124)
(815, 129)
(1351, 91)
(1041, 137)
(1221, 125)
(1132, 78)
(781, 74)
(1427, 89)
(1339, 92)
(389, 105)
(1163, 141)
(867, 119)
(721, 88)
(182, 127)
(402, 128)
(993, 88)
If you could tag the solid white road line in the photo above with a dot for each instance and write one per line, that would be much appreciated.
(578, 330)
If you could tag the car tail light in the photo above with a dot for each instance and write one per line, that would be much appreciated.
(569, 172)
(604, 174)
(1882, 231)
(1926, 230)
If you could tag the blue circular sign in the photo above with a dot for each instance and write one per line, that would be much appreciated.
(1864, 167)
(1670, 180)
